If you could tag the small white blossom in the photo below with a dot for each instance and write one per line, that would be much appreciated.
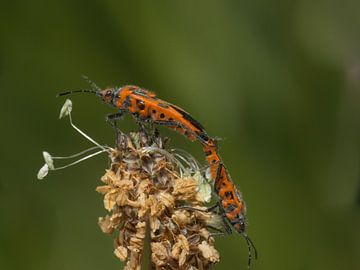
(48, 160)
(208, 174)
(66, 109)
(205, 191)
(204, 187)
(44, 170)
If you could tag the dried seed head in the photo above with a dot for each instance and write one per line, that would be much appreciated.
(121, 252)
(209, 252)
(143, 192)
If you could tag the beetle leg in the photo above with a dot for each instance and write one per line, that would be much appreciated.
(112, 119)
(142, 124)
(226, 226)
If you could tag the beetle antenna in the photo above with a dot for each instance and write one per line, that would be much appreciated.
(92, 84)
(77, 91)
(250, 245)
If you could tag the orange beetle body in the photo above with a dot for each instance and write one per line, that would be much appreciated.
(144, 105)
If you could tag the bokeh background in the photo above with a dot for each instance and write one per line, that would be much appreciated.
(278, 81)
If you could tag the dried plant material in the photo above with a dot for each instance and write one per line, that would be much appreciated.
(103, 189)
(186, 189)
(167, 199)
(121, 252)
(105, 225)
(180, 250)
(159, 254)
(209, 252)
(110, 200)
(145, 195)
(181, 217)
(209, 218)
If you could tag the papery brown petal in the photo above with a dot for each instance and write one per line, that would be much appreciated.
(154, 224)
(121, 252)
(109, 200)
(204, 233)
(143, 202)
(125, 185)
(115, 218)
(159, 253)
(183, 242)
(167, 199)
(105, 224)
(122, 198)
(134, 260)
(131, 203)
(182, 257)
(103, 189)
(156, 207)
(185, 188)
(136, 242)
(144, 186)
(181, 217)
(209, 252)
(141, 230)
(109, 177)
(175, 252)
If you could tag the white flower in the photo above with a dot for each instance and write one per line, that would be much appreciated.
(204, 188)
(48, 160)
(205, 191)
(208, 174)
(66, 109)
(44, 170)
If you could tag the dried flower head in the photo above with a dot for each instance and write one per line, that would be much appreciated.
(144, 192)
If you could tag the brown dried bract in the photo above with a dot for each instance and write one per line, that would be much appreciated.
(144, 193)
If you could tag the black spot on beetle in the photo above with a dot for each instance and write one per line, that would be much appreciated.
(229, 194)
(204, 137)
(154, 111)
(140, 104)
(162, 115)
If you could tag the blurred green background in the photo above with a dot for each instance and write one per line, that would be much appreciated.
(279, 81)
